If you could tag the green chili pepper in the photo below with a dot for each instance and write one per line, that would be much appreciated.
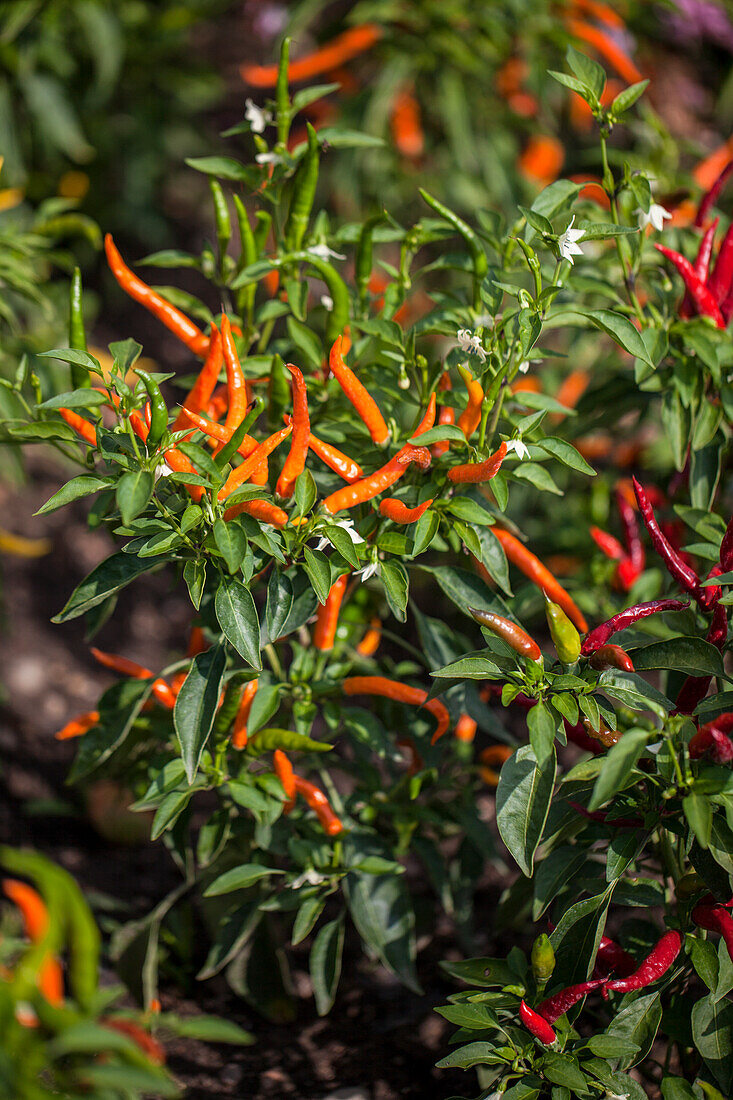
(304, 192)
(478, 256)
(278, 394)
(564, 635)
(543, 959)
(364, 254)
(263, 221)
(282, 94)
(338, 318)
(236, 441)
(158, 409)
(247, 256)
(223, 221)
(534, 266)
(77, 335)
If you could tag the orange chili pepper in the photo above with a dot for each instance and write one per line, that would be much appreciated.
(475, 472)
(327, 617)
(495, 754)
(401, 693)
(528, 384)
(80, 425)
(470, 418)
(394, 509)
(465, 728)
(34, 912)
(593, 190)
(180, 325)
(200, 393)
(178, 462)
(376, 483)
(147, 1044)
(249, 466)
(510, 77)
(295, 462)
(428, 419)
(262, 510)
(572, 389)
(446, 415)
(358, 395)
(239, 735)
(516, 638)
(602, 42)
(218, 404)
(602, 12)
(196, 644)
(318, 802)
(219, 432)
(286, 775)
(541, 159)
(369, 644)
(340, 463)
(160, 689)
(706, 172)
(343, 48)
(137, 423)
(78, 726)
(532, 567)
(236, 384)
(407, 131)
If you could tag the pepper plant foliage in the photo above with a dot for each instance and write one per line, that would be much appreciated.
(341, 761)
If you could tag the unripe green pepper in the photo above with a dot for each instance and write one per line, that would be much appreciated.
(543, 959)
(564, 635)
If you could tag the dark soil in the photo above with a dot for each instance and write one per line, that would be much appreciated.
(380, 1041)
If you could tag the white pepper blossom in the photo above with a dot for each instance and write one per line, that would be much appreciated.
(256, 116)
(470, 343)
(346, 525)
(655, 218)
(269, 158)
(520, 449)
(567, 242)
(323, 252)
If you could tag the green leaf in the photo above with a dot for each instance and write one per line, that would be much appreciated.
(620, 329)
(196, 706)
(618, 765)
(472, 1054)
(231, 542)
(306, 917)
(563, 1070)
(438, 434)
(224, 168)
(80, 486)
(381, 910)
(237, 616)
(566, 453)
(319, 573)
(522, 803)
(625, 99)
(698, 810)
(77, 399)
(578, 933)
(108, 577)
(133, 492)
(396, 586)
(279, 603)
(465, 589)
(341, 543)
(712, 1030)
(639, 1023)
(239, 878)
(209, 1029)
(325, 964)
(691, 656)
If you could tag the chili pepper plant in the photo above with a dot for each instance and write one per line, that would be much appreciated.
(343, 483)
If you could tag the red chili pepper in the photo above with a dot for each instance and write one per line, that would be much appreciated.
(327, 617)
(239, 732)
(536, 1025)
(394, 509)
(600, 634)
(654, 966)
(80, 425)
(318, 802)
(560, 1003)
(172, 318)
(263, 510)
(470, 418)
(160, 689)
(147, 1044)
(376, 483)
(340, 463)
(611, 656)
(509, 632)
(78, 726)
(703, 298)
(611, 958)
(250, 465)
(286, 775)
(713, 739)
(702, 265)
(632, 536)
(715, 918)
(401, 693)
(721, 277)
(539, 574)
(476, 472)
(295, 462)
(200, 393)
(607, 544)
(711, 195)
(684, 574)
(578, 735)
(358, 395)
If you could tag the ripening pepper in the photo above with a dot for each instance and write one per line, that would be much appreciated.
(565, 637)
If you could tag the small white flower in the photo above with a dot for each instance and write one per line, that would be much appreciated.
(655, 218)
(327, 302)
(523, 367)
(311, 877)
(369, 570)
(256, 116)
(323, 252)
(470, 343)
(162, 471)
(269, 158)
(567, 242)
(520, 449)
(346, 525)
(617, 1096)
